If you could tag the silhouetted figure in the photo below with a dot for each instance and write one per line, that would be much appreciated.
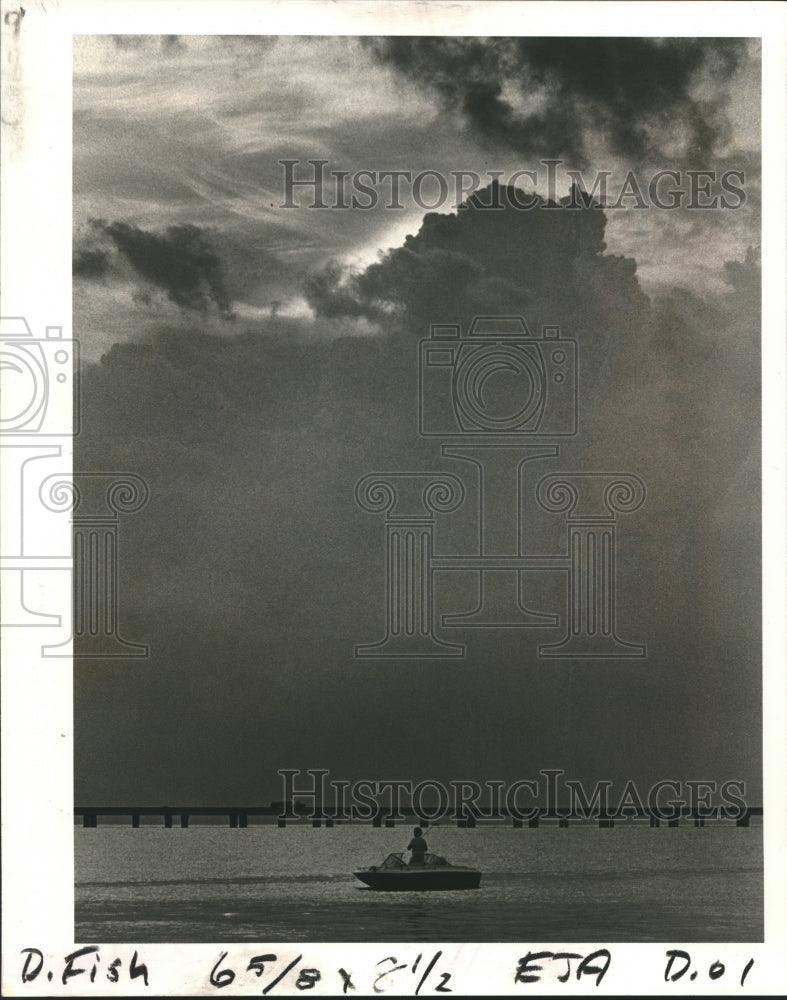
(418, 846)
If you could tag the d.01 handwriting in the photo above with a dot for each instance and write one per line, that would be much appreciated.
(679, 963)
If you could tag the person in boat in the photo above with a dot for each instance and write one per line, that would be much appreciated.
(418, 846)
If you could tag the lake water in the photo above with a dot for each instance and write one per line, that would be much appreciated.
(216, 884)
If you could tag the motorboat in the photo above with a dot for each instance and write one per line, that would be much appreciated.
(435, 874)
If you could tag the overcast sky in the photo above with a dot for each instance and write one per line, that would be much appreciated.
(252, 362)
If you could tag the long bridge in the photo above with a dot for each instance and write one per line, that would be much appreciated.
(238, 816)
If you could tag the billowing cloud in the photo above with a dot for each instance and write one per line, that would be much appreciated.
(547, 263)
(252, 443)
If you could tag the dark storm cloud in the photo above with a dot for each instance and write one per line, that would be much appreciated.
(631, 90)
(90, 263)
(253, 572)
(181, 261)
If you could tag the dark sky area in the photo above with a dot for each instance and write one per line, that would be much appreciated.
(253, 363)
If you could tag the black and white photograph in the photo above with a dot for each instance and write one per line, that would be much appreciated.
(393, 547)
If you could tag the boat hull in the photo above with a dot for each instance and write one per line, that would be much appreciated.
(420, 879)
